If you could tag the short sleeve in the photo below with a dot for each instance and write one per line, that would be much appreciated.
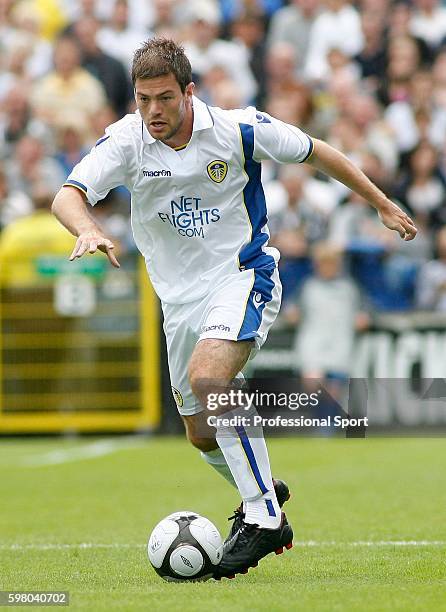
(100, 171)
(279, 141)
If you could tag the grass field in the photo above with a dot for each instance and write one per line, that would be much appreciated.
(368, 517)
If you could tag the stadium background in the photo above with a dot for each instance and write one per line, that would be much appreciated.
(81, 349)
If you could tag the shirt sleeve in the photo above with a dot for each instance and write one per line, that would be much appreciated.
(279, 141)
(100, 171)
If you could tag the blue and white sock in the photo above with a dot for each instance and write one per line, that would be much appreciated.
(247, 457)
(217, 460)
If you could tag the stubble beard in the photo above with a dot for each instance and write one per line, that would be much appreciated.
(175, 129)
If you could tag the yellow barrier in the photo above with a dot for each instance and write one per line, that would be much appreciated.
(79, 347)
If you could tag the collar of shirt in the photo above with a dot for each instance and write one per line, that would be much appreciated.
(202, 120)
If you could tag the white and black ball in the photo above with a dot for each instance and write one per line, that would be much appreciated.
(185, 547)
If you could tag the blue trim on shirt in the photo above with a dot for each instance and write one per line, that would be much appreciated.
(261, 294)
(101, 140)
(252, 254)
(310, 150)
(76, 184)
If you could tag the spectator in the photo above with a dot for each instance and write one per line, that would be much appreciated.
(206, 51)
(417, 115)
(167, 16)
(17, 120)
(386, 276)
(249, 32)
(40, 233)
(99, 121)
(225, 95)
(212, 80)
(301, 200)
(68, 88)
(71, 141)
(439, 80)
(30, 165)
(15, 66)
(292, 25)
(399, 24)
(281, 73)
(363, 111)
(337, 26)
(28, 21)
(380, 8)
(340, 64)
(108, 70)
(302, 206)
(329, 313)
(423, 190)
(231, 9)
(403, 61)
(118, 38)
(6, 22)
(372, 58)
(13, 204)
(428, 22)
(431, 289)
(76, 9)
(140, 12)
(355, 225)
(51, 16)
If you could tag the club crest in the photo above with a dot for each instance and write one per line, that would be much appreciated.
(217, 170)
(177, 397)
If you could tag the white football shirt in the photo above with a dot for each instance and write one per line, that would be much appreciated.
(198, 214)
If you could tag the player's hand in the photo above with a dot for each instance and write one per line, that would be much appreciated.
(396, 219)
(91, 242)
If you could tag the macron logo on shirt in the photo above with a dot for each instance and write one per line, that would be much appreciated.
(157, 173)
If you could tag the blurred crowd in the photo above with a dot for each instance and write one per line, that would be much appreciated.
(369, 77)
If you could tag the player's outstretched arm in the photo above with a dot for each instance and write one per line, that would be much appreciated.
(330, 161)
(70, 209)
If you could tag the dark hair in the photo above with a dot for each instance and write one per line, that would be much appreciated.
(160, 56)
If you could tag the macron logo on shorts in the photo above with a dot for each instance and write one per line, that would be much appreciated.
(224, 328)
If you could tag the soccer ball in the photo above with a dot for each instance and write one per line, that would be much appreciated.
(185, 546)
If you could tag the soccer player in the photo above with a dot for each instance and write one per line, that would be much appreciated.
(199, 219)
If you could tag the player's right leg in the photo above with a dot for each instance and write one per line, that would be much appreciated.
(182, 324)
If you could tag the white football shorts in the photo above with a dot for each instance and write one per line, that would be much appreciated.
(242, 306)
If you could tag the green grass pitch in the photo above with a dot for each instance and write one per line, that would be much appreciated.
(368, 517)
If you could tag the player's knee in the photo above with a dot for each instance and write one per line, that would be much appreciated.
(202, 382)
(203, 444)
(199, 381)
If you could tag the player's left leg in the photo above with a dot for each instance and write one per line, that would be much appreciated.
(264, 528)
(202, 436)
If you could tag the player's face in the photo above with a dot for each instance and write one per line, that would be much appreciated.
(165, 109)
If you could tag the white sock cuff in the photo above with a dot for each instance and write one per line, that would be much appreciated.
(214, 457)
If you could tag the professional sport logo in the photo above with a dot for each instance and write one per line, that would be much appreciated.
(177, 397)
(217, 170)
